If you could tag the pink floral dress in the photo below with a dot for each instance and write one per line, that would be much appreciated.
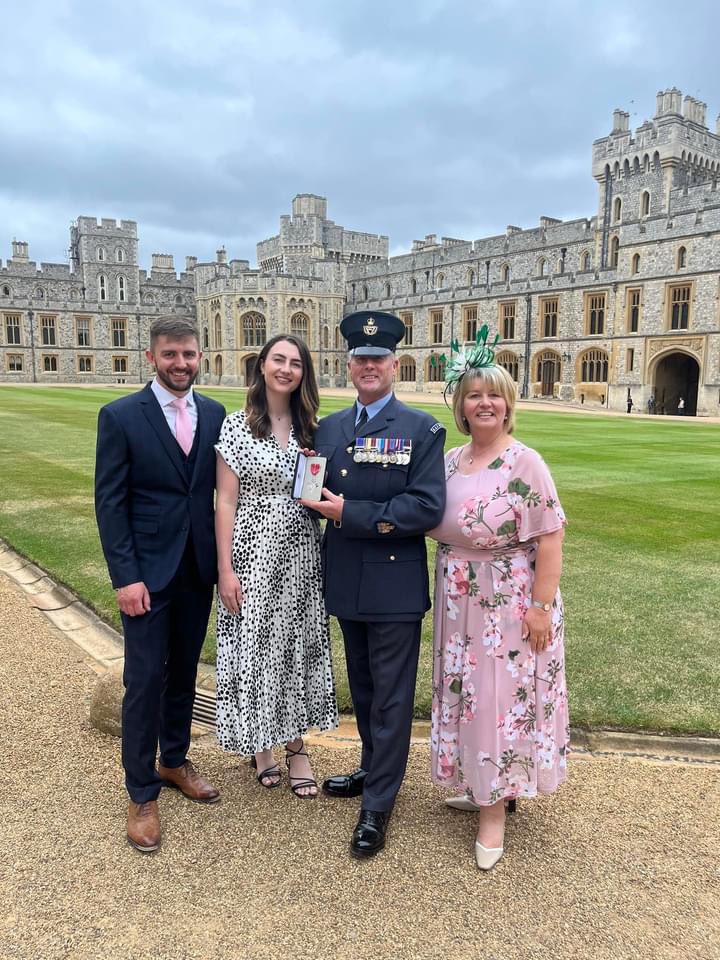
(500, 716)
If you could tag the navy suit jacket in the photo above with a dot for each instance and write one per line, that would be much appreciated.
(375, 563)
(145, 503)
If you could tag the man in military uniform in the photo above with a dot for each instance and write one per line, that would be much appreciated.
(385, 487)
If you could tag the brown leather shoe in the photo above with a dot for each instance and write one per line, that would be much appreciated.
(188, 781)
(143, 826)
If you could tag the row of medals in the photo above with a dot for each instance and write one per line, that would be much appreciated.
(381, 450)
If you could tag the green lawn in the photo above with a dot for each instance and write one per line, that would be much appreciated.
(641, 580)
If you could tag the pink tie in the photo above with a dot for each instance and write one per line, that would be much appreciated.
(183, 425)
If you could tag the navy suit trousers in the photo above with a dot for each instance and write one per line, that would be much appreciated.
(382, 659)
(161, 654)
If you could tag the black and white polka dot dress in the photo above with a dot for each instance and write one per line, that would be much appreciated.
(274, 672)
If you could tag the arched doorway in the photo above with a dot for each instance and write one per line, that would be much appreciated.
(548, 372)
(218, 366)
(249, 365)
(676, 375)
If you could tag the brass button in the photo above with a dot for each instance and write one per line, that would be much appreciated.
(348, 449)
(343, 472)
(392, 556)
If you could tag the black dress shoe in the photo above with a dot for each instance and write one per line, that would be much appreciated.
(346, 785)
(369, 835)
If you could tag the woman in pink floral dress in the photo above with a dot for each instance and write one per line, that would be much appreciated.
(500, 719)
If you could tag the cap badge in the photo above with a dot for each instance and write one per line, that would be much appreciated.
(370, 329)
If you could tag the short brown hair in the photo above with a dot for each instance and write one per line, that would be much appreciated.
(496, 377)
(175, 327)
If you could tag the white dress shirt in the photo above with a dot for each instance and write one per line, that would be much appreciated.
(165, 398)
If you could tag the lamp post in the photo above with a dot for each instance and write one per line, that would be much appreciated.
(526, 372)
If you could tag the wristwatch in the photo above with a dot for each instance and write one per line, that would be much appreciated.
(541, 606)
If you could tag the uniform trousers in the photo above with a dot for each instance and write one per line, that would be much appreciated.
(162, 648)
(382, 661)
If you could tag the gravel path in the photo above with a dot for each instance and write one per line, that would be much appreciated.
(624, 862)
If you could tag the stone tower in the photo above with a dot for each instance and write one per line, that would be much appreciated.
(105, 255)
(638, 174)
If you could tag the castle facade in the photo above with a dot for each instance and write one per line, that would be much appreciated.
(621, 305)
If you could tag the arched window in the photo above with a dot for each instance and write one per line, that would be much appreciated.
(365, 292)
(120, 255)
(218, 366)
(337, 368)
(540, 267)
(299, 325)
(635, 263)
(585, 261)
(336, 338)
(6, 291)
(388, 292)
(440, 281)
(407, 370)
(614, 251)
(218, 331)
(617, 210)
(121, 289)
(179, 300)
(435, 369)
(413, 287)
(100, 253)
(510, 362)
(326, 365)
(206, 344)
(253, 330)
(471, 278)
(681, 258)
(325, 337)
(506, 273)
(102, 287)
(206, 364)
(645, 200)
(594, 367)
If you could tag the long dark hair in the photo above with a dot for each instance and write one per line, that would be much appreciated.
(304, 402)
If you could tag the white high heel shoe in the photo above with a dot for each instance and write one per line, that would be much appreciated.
(487, 857)
(462, 803)
(467, 803)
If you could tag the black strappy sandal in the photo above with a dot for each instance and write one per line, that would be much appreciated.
(271, 771)
(301, 784)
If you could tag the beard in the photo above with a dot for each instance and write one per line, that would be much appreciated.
(177, 386)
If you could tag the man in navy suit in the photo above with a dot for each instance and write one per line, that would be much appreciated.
(154, 502)
(385, 487)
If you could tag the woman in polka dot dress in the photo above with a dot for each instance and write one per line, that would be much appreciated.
(274, 672)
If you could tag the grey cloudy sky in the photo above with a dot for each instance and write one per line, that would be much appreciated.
(201, 120)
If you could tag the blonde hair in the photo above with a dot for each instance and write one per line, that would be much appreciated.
(495, 377)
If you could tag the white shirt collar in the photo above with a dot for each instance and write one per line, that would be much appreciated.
(164, 397)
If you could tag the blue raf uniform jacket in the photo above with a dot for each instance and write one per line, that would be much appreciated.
(375, 561)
